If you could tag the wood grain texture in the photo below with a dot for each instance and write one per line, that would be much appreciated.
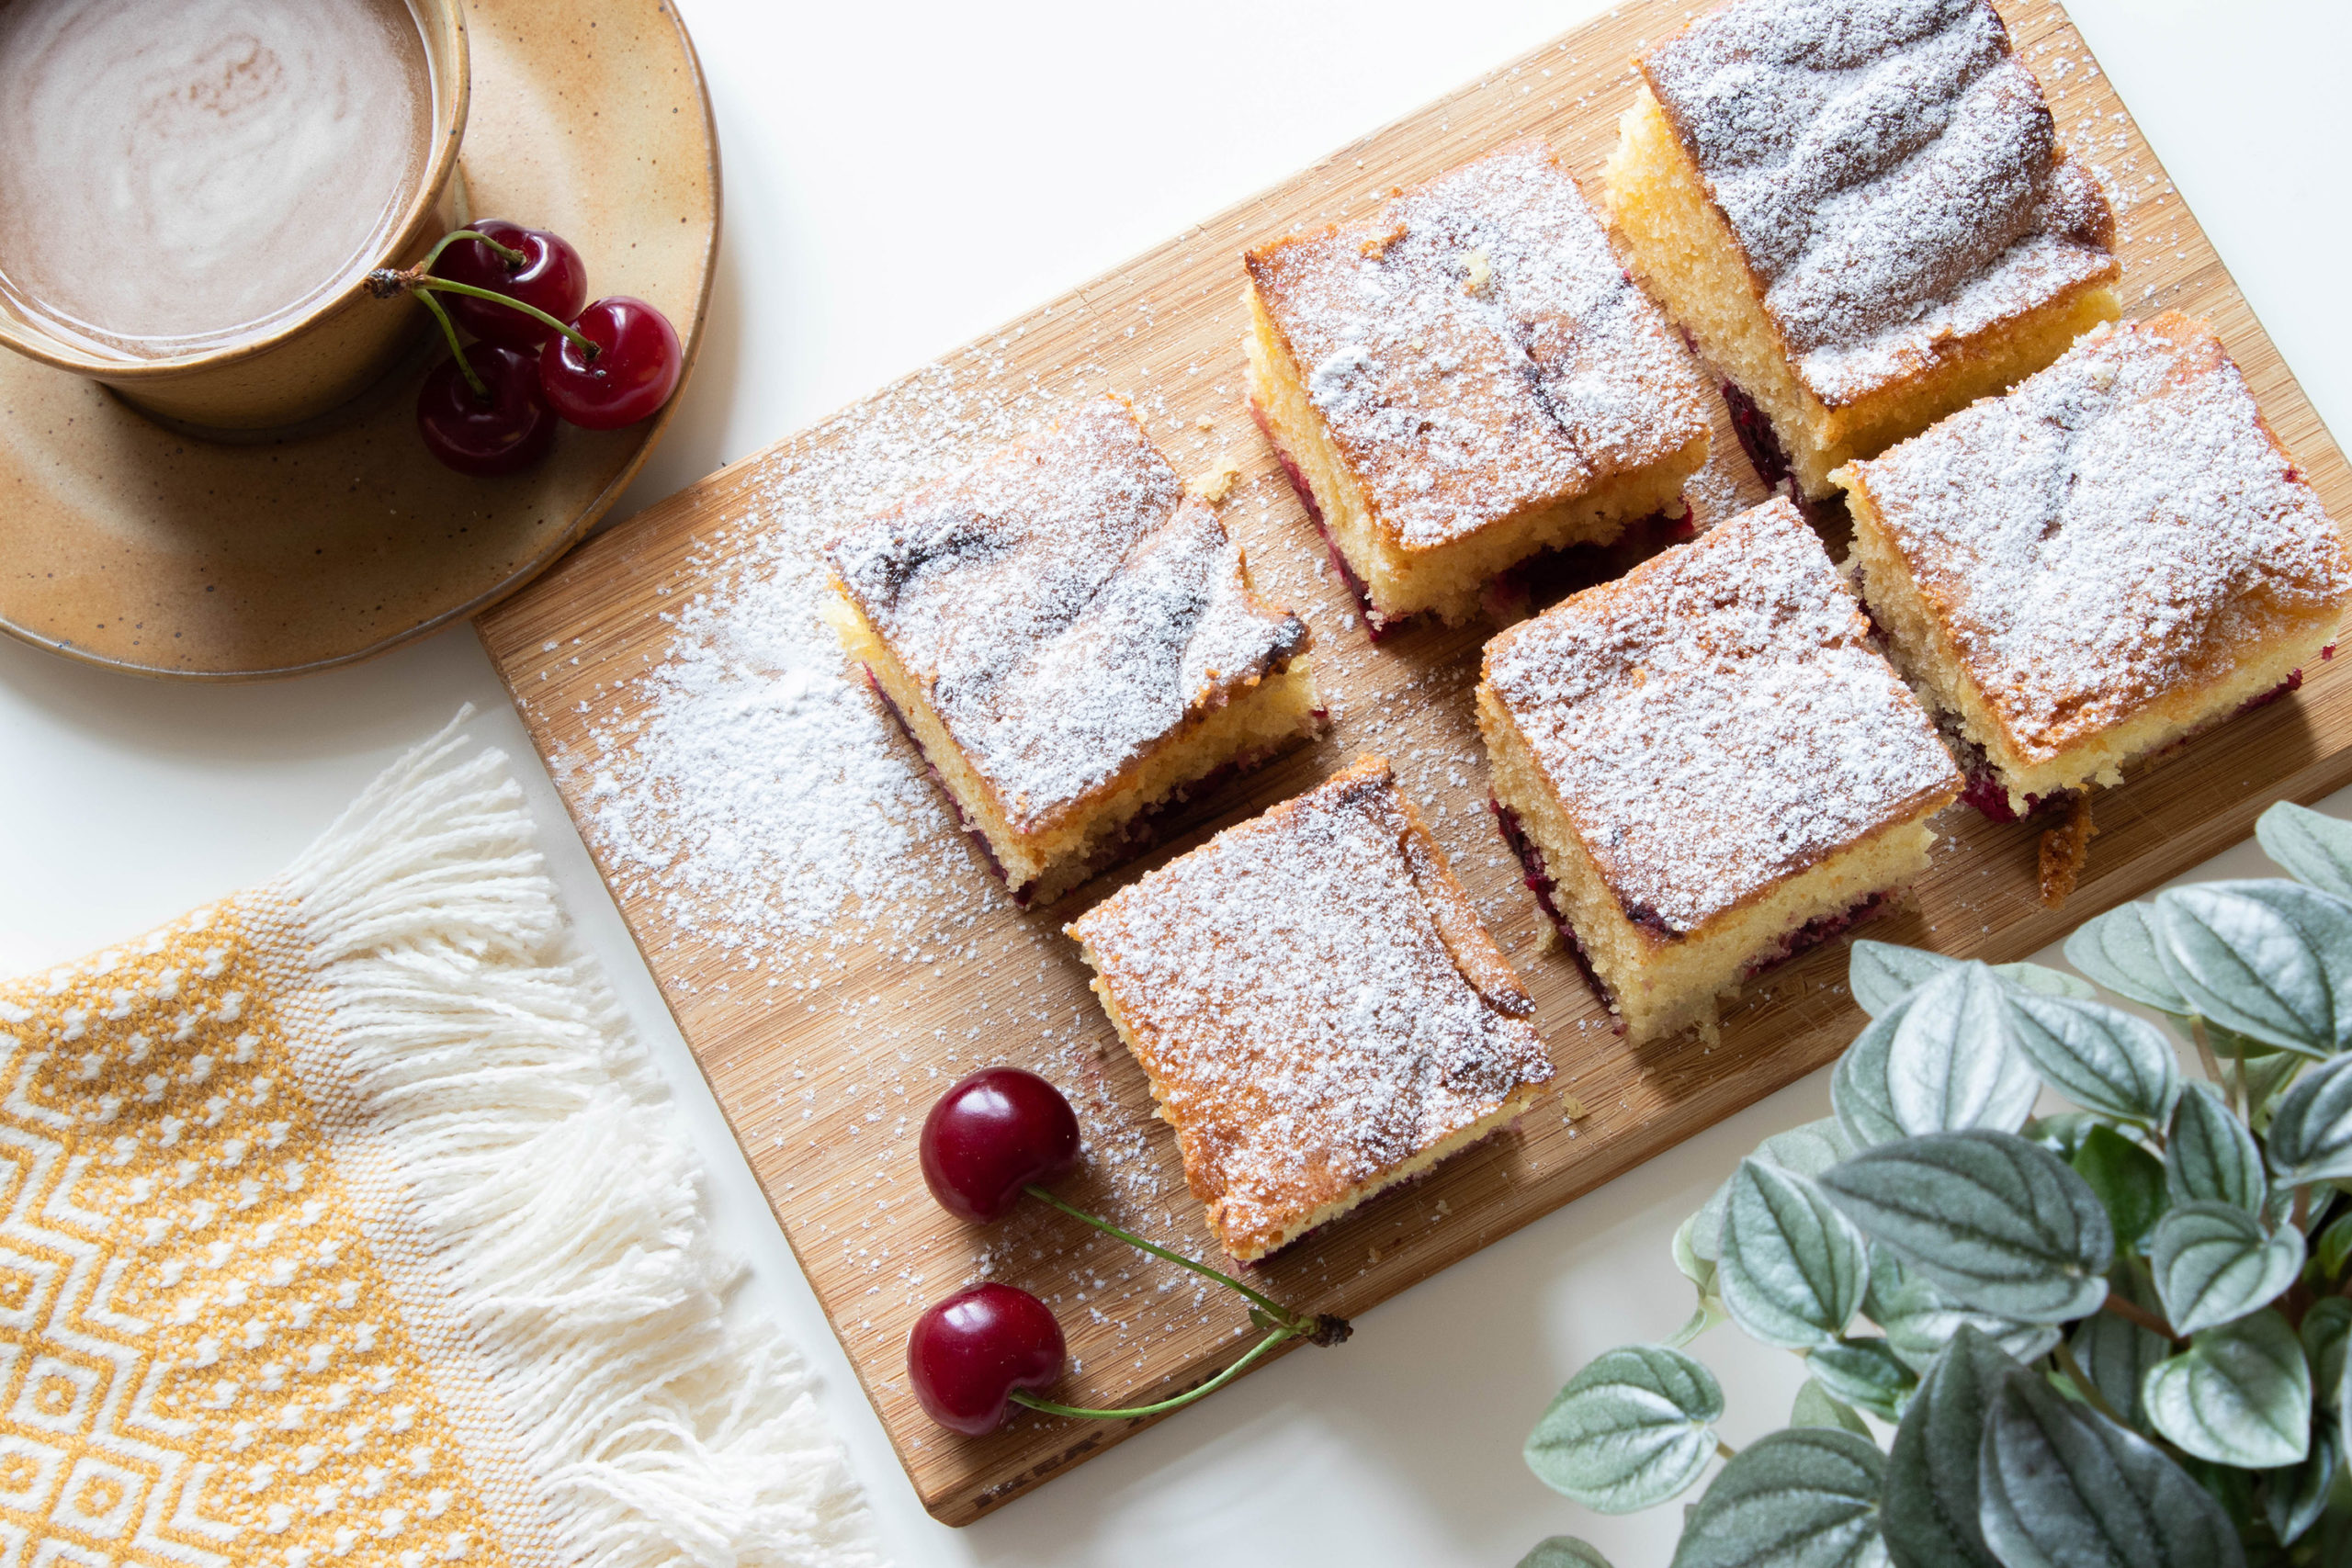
(826, 1094)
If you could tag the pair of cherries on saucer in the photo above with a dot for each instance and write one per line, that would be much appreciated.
(995, 1137)
(542, 352)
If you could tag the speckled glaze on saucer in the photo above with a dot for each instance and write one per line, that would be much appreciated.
(126, 545)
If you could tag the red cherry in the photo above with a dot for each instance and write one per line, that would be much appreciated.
(550, 276)
(508, 429)
(969, 1352)
(636, 368)
(993, 1134)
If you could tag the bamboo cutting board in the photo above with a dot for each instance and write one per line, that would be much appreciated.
(826, 1047)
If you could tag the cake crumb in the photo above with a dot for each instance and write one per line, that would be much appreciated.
(1375, 244)
(2063, 850)
(1482, 272)
(1214, 485)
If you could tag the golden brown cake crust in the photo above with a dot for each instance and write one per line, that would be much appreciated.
(1064, 607)
(1890, 171)
(1716, 720)
(1476, 350)
(2120, 526)
(1315, 1004)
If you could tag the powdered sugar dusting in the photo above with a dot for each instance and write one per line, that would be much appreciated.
(1065, 607)
(1890, 169)
(758, 792)
(2117, 527)
(1476, 349)
(1293, 998)
(1717, 720)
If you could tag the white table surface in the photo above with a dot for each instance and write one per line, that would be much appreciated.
(901, 177)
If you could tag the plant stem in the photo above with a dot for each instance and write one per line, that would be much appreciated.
(1292, 1322)
(2131, 1312)
(420, 284)
(506, 254)
(457, 349)
(2301, 1207)
(2089, 1390)
(1726, 1451)
(2212, 1063)
(1022, 1396)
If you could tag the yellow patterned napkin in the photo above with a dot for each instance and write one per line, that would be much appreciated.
(343, 1226)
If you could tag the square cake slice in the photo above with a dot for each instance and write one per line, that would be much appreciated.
(1862, 212)
(2115, 554)
(1072, 640)
(1464, 378)
(1319, 1010)
(1706, 766)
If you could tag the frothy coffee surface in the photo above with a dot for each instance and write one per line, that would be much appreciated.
(178, 175)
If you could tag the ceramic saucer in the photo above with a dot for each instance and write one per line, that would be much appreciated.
(126, 545)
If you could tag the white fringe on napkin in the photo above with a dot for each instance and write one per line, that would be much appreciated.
(558, 1193)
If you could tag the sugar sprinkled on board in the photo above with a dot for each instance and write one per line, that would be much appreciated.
(761, 793)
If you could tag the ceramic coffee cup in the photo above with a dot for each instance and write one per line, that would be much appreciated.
(324, 355)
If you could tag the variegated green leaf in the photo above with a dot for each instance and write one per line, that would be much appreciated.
(1629, 1431)
(1791, 1270)
(2240, 1395)
(1996, 1223)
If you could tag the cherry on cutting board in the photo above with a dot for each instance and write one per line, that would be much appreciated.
(503, 429)
(550, 275)
(991, 1135)
(631, 370)
(994, 1135)
(968, 1354)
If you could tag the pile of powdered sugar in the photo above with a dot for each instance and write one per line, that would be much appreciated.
(761, 791)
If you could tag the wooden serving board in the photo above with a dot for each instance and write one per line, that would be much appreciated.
(826, 1091)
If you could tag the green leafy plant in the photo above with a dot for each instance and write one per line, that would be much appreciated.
(2114, 1336)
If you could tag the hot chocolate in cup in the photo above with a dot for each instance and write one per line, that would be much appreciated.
(192, 193)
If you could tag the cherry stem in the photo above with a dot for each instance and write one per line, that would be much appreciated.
(423, 284)
(457, 349)
(506, 254)
(1292, 1322)
(1022, 1396)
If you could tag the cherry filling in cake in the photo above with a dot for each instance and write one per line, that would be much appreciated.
(1538, 881)
(1375, 624)
(1754, 428)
